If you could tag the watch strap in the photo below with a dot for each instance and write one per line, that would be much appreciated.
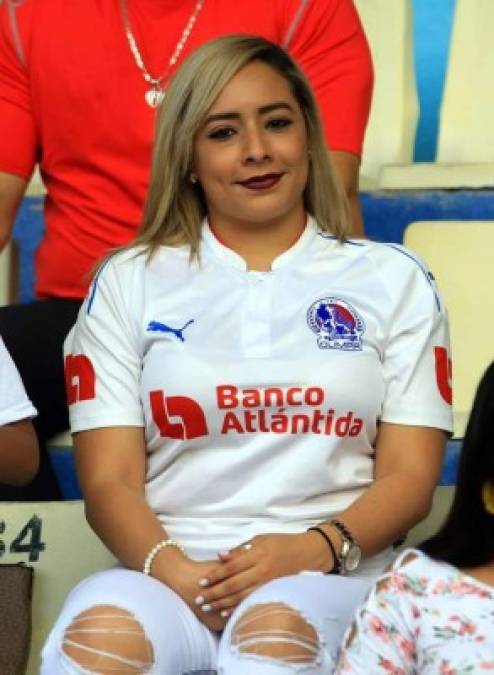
(343, 530)
(337, 567)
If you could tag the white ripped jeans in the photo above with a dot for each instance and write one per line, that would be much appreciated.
(178, 643)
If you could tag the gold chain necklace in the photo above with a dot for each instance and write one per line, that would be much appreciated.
(156, 93)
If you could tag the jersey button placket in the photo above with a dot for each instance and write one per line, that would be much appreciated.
(257, 315)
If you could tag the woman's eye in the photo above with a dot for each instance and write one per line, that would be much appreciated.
(221, 134)
(279, 123)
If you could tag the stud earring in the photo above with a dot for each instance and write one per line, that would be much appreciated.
(193, 178)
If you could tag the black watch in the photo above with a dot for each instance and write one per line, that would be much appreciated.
(351, 553)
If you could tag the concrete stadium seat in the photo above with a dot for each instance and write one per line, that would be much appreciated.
(61, 547)
(443, 496)
(8, 269)
(390, 134)
(465, 155)
(62, 459)
(466, 133)
(63, 440)
(461, 256)
(35, 187)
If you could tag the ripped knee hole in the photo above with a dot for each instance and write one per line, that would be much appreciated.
(108, 639)
(277, 631)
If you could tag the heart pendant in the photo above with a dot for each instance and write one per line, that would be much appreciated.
(154, 97)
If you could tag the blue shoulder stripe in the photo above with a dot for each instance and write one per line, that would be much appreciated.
(427, 273)
(94, 287)
(325, 235)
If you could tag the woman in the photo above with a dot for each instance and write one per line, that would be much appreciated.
(433, 612)
(226, 378)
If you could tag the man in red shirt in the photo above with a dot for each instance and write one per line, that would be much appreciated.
(76, 84)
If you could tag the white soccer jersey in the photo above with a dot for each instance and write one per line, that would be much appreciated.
(260, 392)
(14, 404)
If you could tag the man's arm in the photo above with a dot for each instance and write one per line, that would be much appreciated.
(12, 190)
(347, 166)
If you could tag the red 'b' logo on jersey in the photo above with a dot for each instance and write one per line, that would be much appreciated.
(443, 373)
(192, 422)
(79, 378)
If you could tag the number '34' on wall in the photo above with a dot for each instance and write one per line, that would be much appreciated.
(27, 541)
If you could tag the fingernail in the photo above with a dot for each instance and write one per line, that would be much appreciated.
(206, 608)
(224, 553)
(248, 547)
(224, 613)
(199, 600)
(203, 583)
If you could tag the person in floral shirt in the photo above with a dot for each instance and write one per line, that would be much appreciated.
(432, 612)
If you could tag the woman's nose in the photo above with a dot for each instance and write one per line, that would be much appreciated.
(256, 146)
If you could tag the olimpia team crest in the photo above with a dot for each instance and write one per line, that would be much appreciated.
(336, 324)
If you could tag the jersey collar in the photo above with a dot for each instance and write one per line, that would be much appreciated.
(213, 246)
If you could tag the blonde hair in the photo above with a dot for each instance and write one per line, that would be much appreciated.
(175, 208)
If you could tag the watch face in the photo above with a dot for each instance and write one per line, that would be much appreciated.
(345, 548)
(352, 558)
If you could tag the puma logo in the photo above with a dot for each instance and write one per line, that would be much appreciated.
(157, 327)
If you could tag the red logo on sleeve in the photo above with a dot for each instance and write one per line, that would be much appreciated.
(79, 378)
(192, 422)
(443, 373)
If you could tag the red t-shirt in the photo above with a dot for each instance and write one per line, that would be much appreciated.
(72, 98)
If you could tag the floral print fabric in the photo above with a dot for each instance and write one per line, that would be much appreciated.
(422, 617)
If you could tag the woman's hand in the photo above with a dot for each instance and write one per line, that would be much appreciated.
(185, 581)
(256, 562)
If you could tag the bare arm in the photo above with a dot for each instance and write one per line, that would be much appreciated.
(12, 190)
(19, 454)
(408, 465)
(111, 468)
(347, 167)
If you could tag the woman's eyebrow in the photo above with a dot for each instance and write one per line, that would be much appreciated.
(222, 116)
(263, 110)
(275, 106)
